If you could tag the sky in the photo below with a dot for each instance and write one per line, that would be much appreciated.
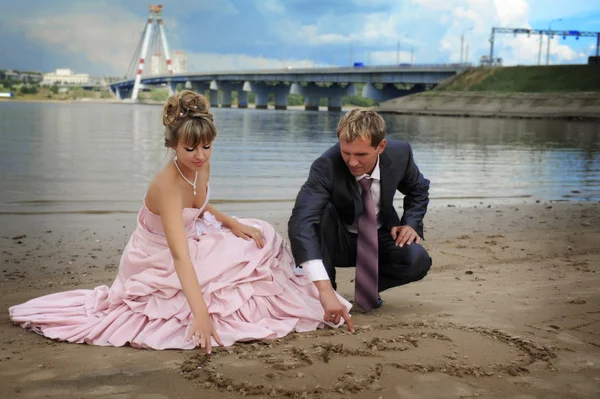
(99, 37)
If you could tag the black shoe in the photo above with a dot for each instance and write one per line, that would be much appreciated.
(379, 302)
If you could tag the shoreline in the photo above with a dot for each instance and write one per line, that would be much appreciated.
(584, 106)
(509, 309)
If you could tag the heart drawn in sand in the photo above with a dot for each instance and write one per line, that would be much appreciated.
(336, 361)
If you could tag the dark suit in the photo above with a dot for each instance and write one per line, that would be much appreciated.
(330, 199)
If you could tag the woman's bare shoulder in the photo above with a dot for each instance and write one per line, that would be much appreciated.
(163, 184)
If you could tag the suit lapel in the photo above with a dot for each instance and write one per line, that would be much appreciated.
(386, 183)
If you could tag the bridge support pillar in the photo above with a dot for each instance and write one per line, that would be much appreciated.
(262, 91)
(242, 99)
(172, 88)
(226, 88)
(199, 87)
(313, 93)
(389, 91)
(214, 98)
(117, 93)
(226, 99)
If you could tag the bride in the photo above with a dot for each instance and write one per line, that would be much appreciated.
(190, 275)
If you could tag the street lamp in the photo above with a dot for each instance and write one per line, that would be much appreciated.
(548, 48)
(462, 41)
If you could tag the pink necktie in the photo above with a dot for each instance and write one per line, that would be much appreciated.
(367, 257)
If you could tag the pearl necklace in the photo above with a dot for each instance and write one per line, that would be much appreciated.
(186, 179)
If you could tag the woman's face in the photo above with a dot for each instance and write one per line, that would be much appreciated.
(194, 158)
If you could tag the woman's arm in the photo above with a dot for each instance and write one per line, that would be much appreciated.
(225, 220)
(170, 210)
(239, 229)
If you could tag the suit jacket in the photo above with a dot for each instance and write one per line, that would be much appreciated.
(330, 181)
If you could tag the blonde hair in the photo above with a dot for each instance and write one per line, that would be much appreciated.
(187, 119)
(362, 123)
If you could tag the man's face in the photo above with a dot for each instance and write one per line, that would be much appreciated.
(359, 155)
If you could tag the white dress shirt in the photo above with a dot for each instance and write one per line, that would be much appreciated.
(315, 269)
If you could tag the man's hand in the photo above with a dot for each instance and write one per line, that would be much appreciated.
(334, 310)
(405, 235)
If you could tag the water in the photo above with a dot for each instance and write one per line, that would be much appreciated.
(96, 158)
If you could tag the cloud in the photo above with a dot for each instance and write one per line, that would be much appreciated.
(105, 40)
(100, 36)
(270, 6)
(201, 62)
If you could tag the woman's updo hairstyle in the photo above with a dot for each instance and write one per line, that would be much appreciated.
(187, 119)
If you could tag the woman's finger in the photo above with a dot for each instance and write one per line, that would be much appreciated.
(217, 338)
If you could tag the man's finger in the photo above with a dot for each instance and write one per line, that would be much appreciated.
(418, 240)
(394, 232)
(411, 238)
(348, 320)
(403, 240)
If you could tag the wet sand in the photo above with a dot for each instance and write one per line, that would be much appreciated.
(511, 309)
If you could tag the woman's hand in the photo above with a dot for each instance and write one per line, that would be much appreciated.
(248, 233)
(201, 332)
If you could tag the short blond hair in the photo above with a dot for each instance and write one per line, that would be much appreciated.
(362, 123)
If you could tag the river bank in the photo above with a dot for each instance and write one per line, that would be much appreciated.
(509, 310)
(548, 92)
(578, 106)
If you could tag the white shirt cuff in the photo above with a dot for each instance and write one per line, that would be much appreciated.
(315, 270)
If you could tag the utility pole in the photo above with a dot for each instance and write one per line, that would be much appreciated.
(467, 54)
(398, 53)
(462, 40)
(540, 51)
(548, 48)
(492, 47)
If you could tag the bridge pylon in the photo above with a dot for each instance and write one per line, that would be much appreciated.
(153, 38)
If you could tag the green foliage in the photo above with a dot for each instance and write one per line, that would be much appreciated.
(159, 95)
(28, 90)
(54, 89)
(527, 79)
(359, 101)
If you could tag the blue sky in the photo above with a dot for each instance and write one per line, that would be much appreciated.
(100, 36)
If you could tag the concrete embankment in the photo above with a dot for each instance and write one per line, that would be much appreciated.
(559, 91)
(498, 105)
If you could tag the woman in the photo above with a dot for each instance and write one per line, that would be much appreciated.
(190, 275)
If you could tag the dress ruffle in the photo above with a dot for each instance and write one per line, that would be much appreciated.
(251, 293)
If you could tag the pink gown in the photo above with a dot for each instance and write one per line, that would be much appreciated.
(251, 293)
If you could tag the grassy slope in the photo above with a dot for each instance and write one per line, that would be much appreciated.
(527, 79)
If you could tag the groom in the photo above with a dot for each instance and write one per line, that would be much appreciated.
(344, 215)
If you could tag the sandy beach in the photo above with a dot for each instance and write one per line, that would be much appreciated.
(511, 309)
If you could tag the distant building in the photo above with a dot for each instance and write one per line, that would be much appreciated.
(10, 75)
(180, 62)
(158, 65)
(65, 76)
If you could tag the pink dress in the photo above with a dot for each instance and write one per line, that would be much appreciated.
(251, 293)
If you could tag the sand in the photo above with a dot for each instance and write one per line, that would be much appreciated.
(511, 309)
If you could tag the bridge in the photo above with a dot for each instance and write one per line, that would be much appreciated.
(380, 83)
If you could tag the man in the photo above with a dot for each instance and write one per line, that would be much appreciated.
(344, 215)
